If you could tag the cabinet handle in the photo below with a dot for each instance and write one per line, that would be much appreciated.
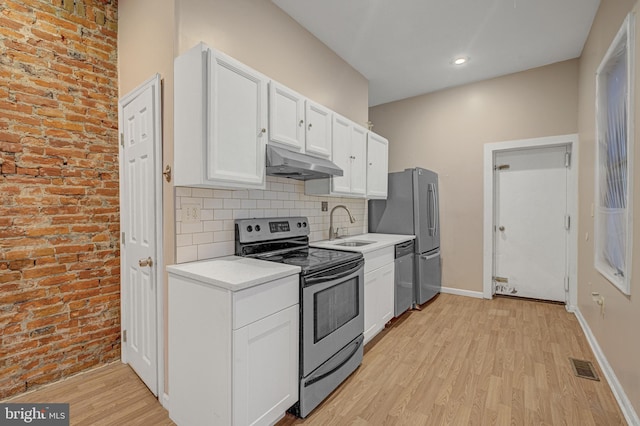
(309, 126)
(262, 131)
(301, 123)
(371, 164)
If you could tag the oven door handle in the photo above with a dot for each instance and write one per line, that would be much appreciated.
(336, 368)
(325, 278)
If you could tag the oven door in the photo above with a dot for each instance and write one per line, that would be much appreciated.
(332, 312)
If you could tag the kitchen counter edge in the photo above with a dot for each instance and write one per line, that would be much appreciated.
(233, 273)
(381, 241)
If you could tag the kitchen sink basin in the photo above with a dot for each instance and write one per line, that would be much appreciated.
(355, 243)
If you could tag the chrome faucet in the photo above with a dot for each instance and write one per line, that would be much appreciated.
(333, 234)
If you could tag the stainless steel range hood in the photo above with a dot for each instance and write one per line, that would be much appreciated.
(284, 163)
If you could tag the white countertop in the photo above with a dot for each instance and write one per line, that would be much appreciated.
(379, 241)
(233, 273)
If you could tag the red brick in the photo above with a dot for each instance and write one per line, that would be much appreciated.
(57, 280)
(44, 271)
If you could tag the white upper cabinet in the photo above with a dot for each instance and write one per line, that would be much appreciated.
(318, 129)
(377, 166)
(358, 159)
(341, 153)
(286, 117)
(349, 146)
(349, 153)
(220, 121)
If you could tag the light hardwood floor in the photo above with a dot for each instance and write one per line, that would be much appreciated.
(108, 396)
(460, 361)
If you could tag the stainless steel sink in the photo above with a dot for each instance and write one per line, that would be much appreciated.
(355, 243)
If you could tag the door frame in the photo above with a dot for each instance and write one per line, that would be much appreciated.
(155, 83)
(490, 151)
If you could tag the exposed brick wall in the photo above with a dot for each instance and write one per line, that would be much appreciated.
(59, 218)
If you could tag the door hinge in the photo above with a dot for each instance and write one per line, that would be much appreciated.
(567, 222)
(122, 139)
(566, 283)
(567, 159)
(122, 236)
(501, 167)
(501, 279)
(124, 336)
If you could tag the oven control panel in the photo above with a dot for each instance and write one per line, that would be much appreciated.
(271, 228)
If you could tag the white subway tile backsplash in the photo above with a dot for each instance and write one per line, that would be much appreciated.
(183, 240)
(183, 192)
(186, 254)
(202, 238)
(213, 236)
(232, 204)
(222, 214)
(202, 192)
(191, 228)
(212, 225)
(249, 204)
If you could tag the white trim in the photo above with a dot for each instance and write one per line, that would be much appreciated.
(155, 82)
(490, 150)
(164, 400)
(460, 292)
(625, 34)
(618, 391)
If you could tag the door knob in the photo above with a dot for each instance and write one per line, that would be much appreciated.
(145, 262)
(501, 228)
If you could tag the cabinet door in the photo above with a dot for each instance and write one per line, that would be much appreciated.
(286, 117)
(358, 160)
(318, 130)
(237, 125)
(386, 302)
(378, 299)
(341, 154)
(377, 166)
(371, 295)
(265, 368)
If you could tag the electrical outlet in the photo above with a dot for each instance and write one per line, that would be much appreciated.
(324, 206)
(191, 213)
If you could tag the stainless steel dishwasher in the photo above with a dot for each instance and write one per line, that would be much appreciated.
(404, 277)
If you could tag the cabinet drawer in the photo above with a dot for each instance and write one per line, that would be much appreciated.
(263, 300)
(378, 258)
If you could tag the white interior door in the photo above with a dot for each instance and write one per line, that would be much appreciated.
(140, 198)
(531, 223)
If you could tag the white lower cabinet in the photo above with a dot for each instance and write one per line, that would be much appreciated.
(378, 291)
(233, 356)
(264, 384)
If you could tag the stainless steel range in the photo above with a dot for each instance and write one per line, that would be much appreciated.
(331, 301)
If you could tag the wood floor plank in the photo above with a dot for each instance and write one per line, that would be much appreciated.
(465, 361)
(458, 361)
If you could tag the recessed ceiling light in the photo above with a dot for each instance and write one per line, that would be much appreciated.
(460, 60)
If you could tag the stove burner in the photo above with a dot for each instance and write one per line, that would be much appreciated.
(287, 247)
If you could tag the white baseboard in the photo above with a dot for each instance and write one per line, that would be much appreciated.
(164, 400)
(459, 292)
(623, 401)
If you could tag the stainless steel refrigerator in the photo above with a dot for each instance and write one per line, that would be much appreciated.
(412, 208)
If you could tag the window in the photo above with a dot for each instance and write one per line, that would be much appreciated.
(614, 155)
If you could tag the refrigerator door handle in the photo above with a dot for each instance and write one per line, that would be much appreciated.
(430, 256)
(436, 209)
(432, 209)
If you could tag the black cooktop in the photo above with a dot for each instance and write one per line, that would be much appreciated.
(312, 259)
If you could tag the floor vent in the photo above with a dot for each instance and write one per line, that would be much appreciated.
(584, 369)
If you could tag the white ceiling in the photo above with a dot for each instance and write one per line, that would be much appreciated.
(406, 47)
